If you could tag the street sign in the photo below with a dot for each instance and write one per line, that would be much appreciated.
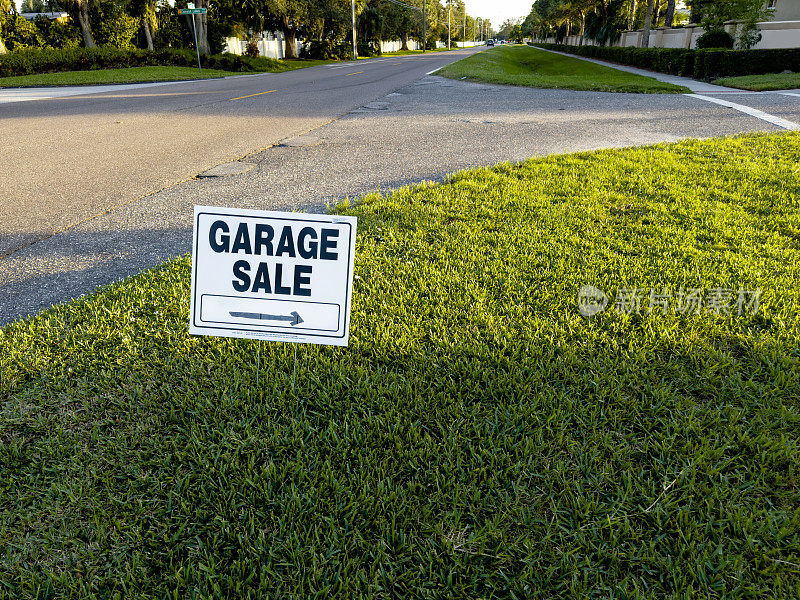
(194, 11)
(272, 276)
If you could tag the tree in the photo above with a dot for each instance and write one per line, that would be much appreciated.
(39, 6)
(713, 14)
(648, 19)
(291, 14)
(506, 28)
(79, 13)
(6, 10)
(669, 16)
(145, 11)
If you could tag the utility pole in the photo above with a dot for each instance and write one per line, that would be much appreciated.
(424, 25)
(449, 10)
(353, 12)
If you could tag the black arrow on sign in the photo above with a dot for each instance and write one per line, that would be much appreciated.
(293, 318)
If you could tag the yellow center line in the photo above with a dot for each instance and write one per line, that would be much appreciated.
(356, 73)
(251, 95)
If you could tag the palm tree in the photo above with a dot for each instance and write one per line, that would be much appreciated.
(648, 19)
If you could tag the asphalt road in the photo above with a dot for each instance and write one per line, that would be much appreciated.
(74, 157)
(422, 128)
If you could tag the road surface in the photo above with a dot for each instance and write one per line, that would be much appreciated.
(400, 130)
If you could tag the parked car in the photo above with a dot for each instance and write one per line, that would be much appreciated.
(490, 42)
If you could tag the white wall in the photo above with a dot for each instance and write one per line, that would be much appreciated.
(395, 45)
(774, 34)
(272, 48)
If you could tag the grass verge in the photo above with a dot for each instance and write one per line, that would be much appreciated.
(533, 67)
(109, 76)
(478, 438)
(760, 83)
(142, 74)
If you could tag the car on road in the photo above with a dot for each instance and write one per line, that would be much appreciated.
(490, 42)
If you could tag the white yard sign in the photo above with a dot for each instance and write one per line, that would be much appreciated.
(270, 275)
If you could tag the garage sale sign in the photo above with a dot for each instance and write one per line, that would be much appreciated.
(271, 275)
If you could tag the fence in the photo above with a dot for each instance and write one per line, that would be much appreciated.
(272, 45)
(267, 46)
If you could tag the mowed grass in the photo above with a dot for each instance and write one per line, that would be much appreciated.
(760, 83)
(533, 67)
(146, 74)
(108, 76)
(478, 438)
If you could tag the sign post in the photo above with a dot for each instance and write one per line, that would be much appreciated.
(272, 275)
(191, 10)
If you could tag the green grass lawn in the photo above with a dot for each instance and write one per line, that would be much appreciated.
(105, 76)
(759, 83)
(143, 74)
(479, 438)
(533, 67)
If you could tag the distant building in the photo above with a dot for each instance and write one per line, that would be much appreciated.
(53, 16)
(784, 10)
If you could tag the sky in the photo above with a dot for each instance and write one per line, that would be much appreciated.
(498, 11)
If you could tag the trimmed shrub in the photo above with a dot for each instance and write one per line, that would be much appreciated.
(371, 48)
(700, 64)
(676, 61)
(252, 49)
(37, 60)
(712, 64)
(715, 38)
(327, 50)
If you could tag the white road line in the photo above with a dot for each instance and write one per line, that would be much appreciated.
(434, 71)
(749, 111)
(789, 94)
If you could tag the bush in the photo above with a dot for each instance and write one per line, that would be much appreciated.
(327, 50)
(251, 49)
(700, 64)
(712, 64)
(38, 60)
(19, 33)
(715, 38)
(371, 48)
(59, 34)
(676, 61)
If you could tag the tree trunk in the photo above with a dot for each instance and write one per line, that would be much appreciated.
(83, 22)
(632, 18)
(147, 35)
(670, 14)
(289, 40)
(647, 21)
(404, 39)
(202, 30)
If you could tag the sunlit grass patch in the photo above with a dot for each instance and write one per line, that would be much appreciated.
(109, 76)
(533, 67)
(478, 438)
(759, 83)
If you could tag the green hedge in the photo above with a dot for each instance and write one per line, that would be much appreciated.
(711, 64)
(700, 64)
(37, 60)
